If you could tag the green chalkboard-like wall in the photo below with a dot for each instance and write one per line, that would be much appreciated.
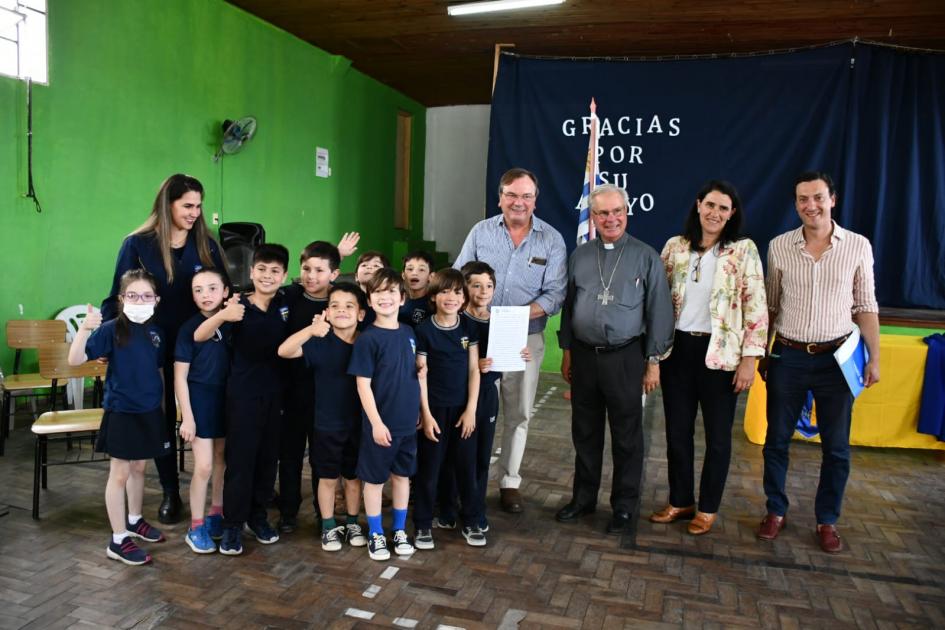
(137, 91)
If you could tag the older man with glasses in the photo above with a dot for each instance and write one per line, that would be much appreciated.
(529, 257)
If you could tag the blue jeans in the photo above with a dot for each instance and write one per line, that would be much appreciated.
(791, 374)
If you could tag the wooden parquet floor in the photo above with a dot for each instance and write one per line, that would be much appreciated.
(535, 573)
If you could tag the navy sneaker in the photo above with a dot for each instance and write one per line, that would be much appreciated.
(199, 541)
(444, 522)
(402, 544)
(484, 525)
(331, 538)
(128, 552)
(264, 532)
(474, 537)
(214, 524)
(288, 524)
(423, 539)
(355, 535)
(232, 544)
(377, 547)
(144, 531)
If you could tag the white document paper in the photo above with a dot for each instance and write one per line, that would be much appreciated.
(508, 335)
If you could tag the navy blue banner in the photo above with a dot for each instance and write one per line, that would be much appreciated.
(871, 116)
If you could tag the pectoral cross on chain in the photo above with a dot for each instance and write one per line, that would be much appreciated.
(605, 297)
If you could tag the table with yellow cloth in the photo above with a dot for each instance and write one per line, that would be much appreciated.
(885, 414)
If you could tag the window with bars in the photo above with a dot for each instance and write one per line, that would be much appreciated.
(23, 39)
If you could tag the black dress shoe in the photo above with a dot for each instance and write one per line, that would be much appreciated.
(510, 500)
(621, 523)
(169, 512)
(573, 511)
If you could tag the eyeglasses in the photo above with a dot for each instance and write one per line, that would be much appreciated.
(606, 214)
(511, 196)
(146, 298)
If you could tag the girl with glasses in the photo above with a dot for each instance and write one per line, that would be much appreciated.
(132, 429)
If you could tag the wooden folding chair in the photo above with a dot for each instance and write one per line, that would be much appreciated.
(56, 426)
(26, 334)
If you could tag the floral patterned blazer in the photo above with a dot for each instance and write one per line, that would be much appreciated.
(737, 305)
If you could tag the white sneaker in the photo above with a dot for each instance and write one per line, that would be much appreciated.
(402, 544)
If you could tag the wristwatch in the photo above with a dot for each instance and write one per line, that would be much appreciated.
(653, 360)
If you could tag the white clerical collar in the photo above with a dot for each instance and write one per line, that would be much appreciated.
(608, 245)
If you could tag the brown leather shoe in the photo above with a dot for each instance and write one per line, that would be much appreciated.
(670, 514)
(771, 526)
(829, 539)
(510, 500)
(701, 523)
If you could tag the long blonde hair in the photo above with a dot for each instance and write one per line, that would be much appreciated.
(160, 221)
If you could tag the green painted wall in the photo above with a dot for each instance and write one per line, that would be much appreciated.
(137, 91)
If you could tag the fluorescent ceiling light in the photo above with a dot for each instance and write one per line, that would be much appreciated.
(489, 6)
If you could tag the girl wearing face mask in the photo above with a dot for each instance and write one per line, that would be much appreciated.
(132, 429)
(173, 244)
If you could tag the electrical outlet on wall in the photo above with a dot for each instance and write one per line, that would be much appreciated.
(216, 218)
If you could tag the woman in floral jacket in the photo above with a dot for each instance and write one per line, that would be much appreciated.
(718, 293)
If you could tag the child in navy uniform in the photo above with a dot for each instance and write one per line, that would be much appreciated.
(447, 345)
(253, 398)
(319, 268)
(416, 308)
(384, 362)
(480, 283)
(368, 264)
(132, 429)
(325, 346)
(200, 384)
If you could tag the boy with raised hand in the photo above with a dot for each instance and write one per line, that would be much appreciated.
(384, 364)
(319, 263)
(254, 397)
(325, 346)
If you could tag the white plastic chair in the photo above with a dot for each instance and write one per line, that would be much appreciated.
(73, 316)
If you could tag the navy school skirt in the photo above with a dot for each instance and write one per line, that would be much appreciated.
(133, 435)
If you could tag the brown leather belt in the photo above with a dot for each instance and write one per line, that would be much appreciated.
(812, 348)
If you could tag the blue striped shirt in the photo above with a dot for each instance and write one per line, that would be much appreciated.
(535, 271)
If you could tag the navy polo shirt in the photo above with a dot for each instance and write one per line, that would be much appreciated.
(447, 353)
(209, 360)
(256, 369)
(388, 358)
(482, 330)
(133, 379)
(414, 311)
(328, 358)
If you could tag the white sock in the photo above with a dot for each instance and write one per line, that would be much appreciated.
(120, 536)
(133, 519)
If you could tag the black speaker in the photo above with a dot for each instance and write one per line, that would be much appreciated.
(239, 240)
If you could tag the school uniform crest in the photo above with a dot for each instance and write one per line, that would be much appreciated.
(155, 339)
(284, 311)
(464, 341)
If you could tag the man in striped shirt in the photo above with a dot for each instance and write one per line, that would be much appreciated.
(530, 262)
(820, 281)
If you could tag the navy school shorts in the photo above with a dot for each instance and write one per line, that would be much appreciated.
(377, 463)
